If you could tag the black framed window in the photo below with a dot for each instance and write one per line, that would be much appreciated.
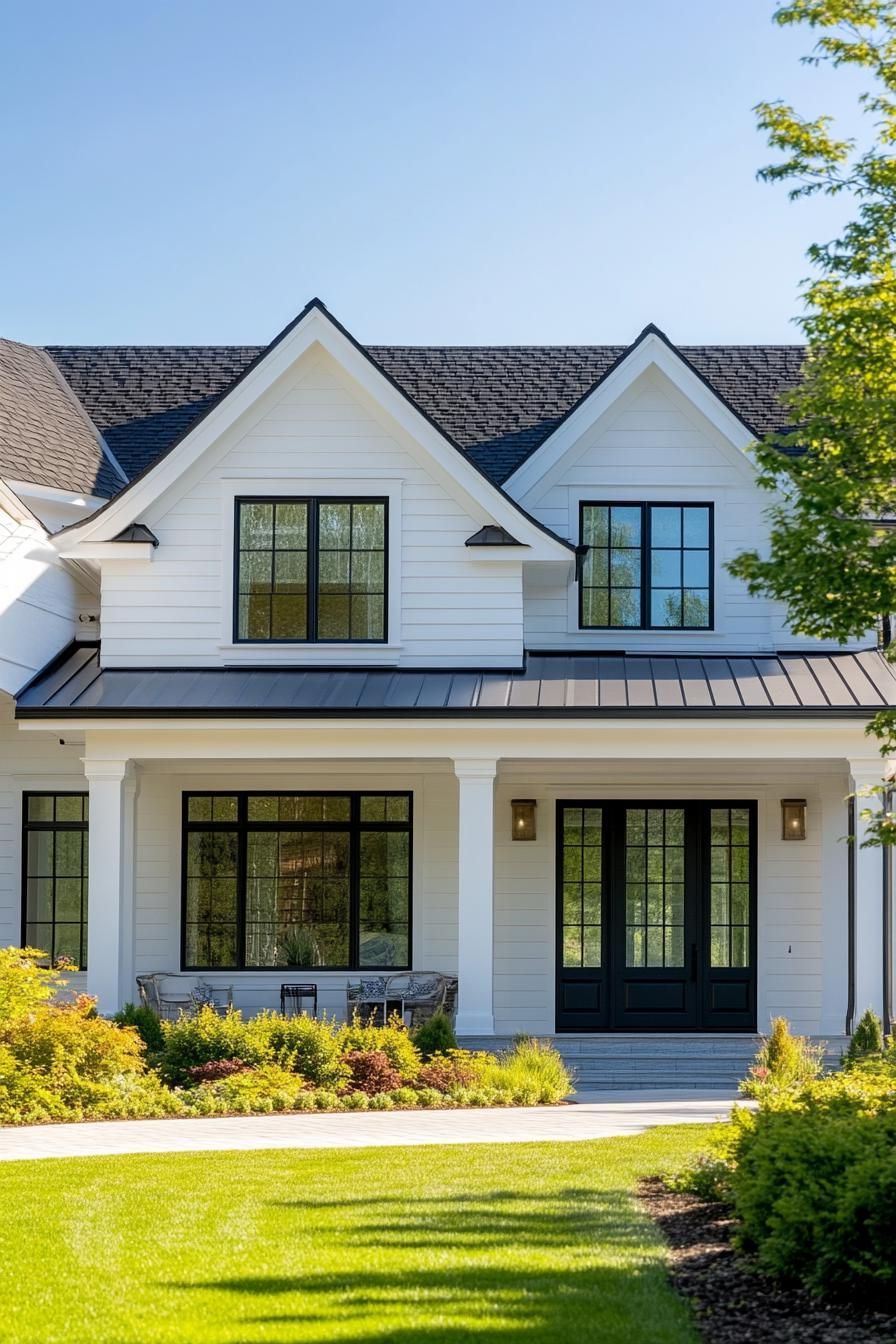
(311, 570)
(274, 880)
(646, 566)
(54, 874)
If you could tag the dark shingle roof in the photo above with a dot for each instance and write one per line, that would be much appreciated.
(45, 437)
(497, 402)
(860, 683)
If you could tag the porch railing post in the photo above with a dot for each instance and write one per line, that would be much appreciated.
(110, 888)
(475, 896)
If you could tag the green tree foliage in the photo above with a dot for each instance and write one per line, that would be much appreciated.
(867, 1040)
(832, 556)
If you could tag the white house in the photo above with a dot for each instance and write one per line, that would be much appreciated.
(429, 656)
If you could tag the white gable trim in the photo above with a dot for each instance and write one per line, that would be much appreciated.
(315, 326)
(651, 352)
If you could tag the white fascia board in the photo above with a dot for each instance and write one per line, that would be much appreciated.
(105, 550)
(316, 326)
(651, 352)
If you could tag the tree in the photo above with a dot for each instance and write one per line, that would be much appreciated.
(832, 552)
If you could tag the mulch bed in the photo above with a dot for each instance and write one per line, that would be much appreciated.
(734, 1303)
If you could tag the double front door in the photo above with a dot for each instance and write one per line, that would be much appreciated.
(656, 916)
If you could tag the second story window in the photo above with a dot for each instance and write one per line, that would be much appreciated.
(647, 566)
(311, 570)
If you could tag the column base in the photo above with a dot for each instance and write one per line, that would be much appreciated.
(474, 1024)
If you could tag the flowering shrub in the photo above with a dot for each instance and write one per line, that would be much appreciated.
(371, 1072)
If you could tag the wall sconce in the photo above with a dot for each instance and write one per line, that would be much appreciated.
(522, 819)
(793, 818)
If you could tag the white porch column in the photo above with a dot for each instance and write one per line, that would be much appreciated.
(112, 789)
(869, 977)
(475, 896)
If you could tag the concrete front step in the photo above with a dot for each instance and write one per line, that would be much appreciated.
(641, 1061)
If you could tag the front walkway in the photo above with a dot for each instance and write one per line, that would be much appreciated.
(596, 1116)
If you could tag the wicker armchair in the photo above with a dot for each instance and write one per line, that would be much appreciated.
(421, 993)
(170, 995)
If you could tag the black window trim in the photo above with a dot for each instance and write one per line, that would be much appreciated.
(645, 505)
(242, 825)
(313, 502)
(27, 827)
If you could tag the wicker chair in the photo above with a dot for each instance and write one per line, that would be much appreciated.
(183, 998)
(421, 993)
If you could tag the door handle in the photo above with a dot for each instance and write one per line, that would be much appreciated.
(694, 962)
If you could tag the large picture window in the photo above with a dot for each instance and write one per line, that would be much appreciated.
(646, 566)
(54, 875)
(276, 880)
(311, 570)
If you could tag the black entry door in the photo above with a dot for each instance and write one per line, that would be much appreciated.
(655, 916)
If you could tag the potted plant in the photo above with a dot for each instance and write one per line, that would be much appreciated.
(298, 947)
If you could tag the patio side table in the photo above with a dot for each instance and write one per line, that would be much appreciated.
(295, 996)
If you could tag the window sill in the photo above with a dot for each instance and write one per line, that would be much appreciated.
(312, 655)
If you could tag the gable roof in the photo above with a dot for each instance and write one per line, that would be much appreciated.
(45, 436)
(498, 403)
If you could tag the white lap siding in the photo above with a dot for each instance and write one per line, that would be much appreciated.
(653, 446)
(457, 605)
(802, 928)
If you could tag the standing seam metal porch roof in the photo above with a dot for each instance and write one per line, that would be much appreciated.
(844, 684)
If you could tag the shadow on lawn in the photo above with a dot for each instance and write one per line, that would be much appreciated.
(571, 1266)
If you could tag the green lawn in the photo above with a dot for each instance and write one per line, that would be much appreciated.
(535, 1242)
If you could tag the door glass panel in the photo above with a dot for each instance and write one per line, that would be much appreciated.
(581, 831)
(654, 886)
(729, 904)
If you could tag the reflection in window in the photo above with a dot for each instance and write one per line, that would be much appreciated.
(311, 569)
(730, 879)
(646, 566)
(582, 876)
(654, 886)
(297, 880)
(55, 862)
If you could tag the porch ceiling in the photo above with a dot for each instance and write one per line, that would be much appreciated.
(832, 684)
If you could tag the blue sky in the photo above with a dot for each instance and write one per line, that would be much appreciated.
(470, 171)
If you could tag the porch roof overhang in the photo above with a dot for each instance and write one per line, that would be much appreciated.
(853, 685)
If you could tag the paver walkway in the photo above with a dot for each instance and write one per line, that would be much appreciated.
(595, 1116)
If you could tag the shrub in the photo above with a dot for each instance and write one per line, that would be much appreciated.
(435, 1037)
(215, 1070)
(531, 1073)
(405, 1096)
(815, 1183)
(306, 1045)
(445, 1073)
(782, 1061)
(146, 1023)
(393, 1040)
(68, 1042)
(24, 983)
(205, 1037)
(382, 1102)
(371, 1071)
(867, 1040)
(249, 1091)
